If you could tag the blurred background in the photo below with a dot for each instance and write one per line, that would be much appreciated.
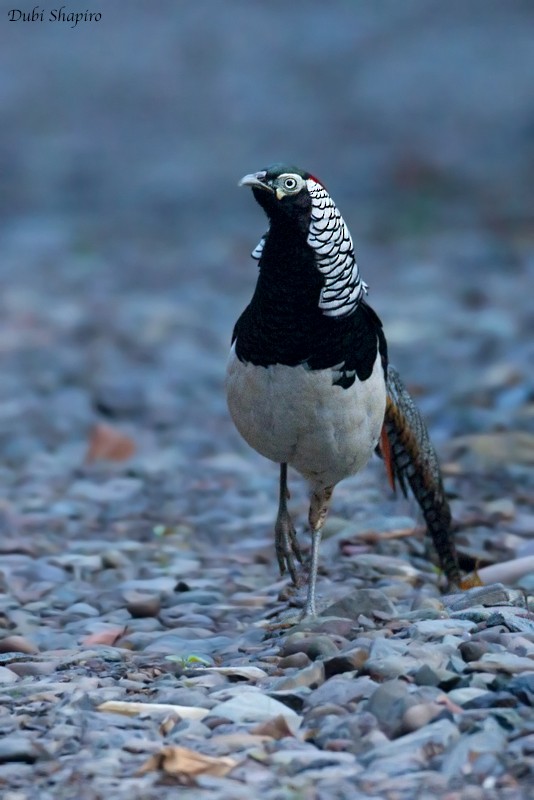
(124, 240)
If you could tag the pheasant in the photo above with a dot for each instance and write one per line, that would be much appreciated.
(308, 380)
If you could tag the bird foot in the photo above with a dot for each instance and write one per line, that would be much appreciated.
(308, 614)
(287, 546)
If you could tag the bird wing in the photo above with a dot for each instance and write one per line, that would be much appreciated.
(410, 457)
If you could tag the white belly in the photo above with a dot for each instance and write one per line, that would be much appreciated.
(296, 416)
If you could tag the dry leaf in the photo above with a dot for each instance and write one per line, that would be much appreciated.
(276, 728)
(132, 709)
(108, 444)
(471, 580)
(182, 762)
(107, 637)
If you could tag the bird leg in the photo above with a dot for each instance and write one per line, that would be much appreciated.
(319, 505)
(285, 536)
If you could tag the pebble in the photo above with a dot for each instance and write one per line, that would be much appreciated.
(116, 490)
(7, 676)
(389, 703)
(340, 690)
(464, 695)
(369, 563)
(197, 596)
(312, 646)
(393, 666)
(418, 715)
(492, 595)
(427, 629)
(336, 627)
(491, 738)
(295, 660)
(431, 676)
(363, 601)
(348, 660)
(142, 605)
(312, 676)
(18, 748)
(299, 760)
(407, 751)
(502, 662)
(178, 644)
(17, 644)
(522, 686)
(25, 669)
(256, 707)
(473, 650)
(83, 610)
(162, 584)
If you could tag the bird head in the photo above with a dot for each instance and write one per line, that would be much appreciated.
(283, 192)
(298, 204)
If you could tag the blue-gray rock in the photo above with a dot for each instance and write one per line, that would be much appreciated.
(363, 601)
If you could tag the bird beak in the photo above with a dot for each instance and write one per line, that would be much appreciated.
(256, 181)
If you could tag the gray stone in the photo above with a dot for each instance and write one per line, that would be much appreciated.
(502, 662)
(336, 627)
(429, 629)
(83, 610)
(408, 751)
(198, 596)
(122, 397)
(143, 605)
(255, 707)
(356, 732)
(420, 714)
(522, 686)
(299, 759)
(340, 690)
(515, 619)
(313, 646)
(163, 583)
(312, 677)
(295, 660)
(116, 490)
(17, 644)
(465, 694)
(7, 676)
(473, 650)
(18, 748)
(388, 704)
(434, 676)
(491, 595)
(368, 602)
(292, 698)
(348, 660)
(490, 739)
(392, 666)
(174, 644)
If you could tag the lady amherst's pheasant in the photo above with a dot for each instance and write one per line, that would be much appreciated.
(308, 379)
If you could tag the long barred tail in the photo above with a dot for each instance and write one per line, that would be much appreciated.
(414, 462)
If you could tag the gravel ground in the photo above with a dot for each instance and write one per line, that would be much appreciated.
(137, 561)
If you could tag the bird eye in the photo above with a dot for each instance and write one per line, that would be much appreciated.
(290, 184)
